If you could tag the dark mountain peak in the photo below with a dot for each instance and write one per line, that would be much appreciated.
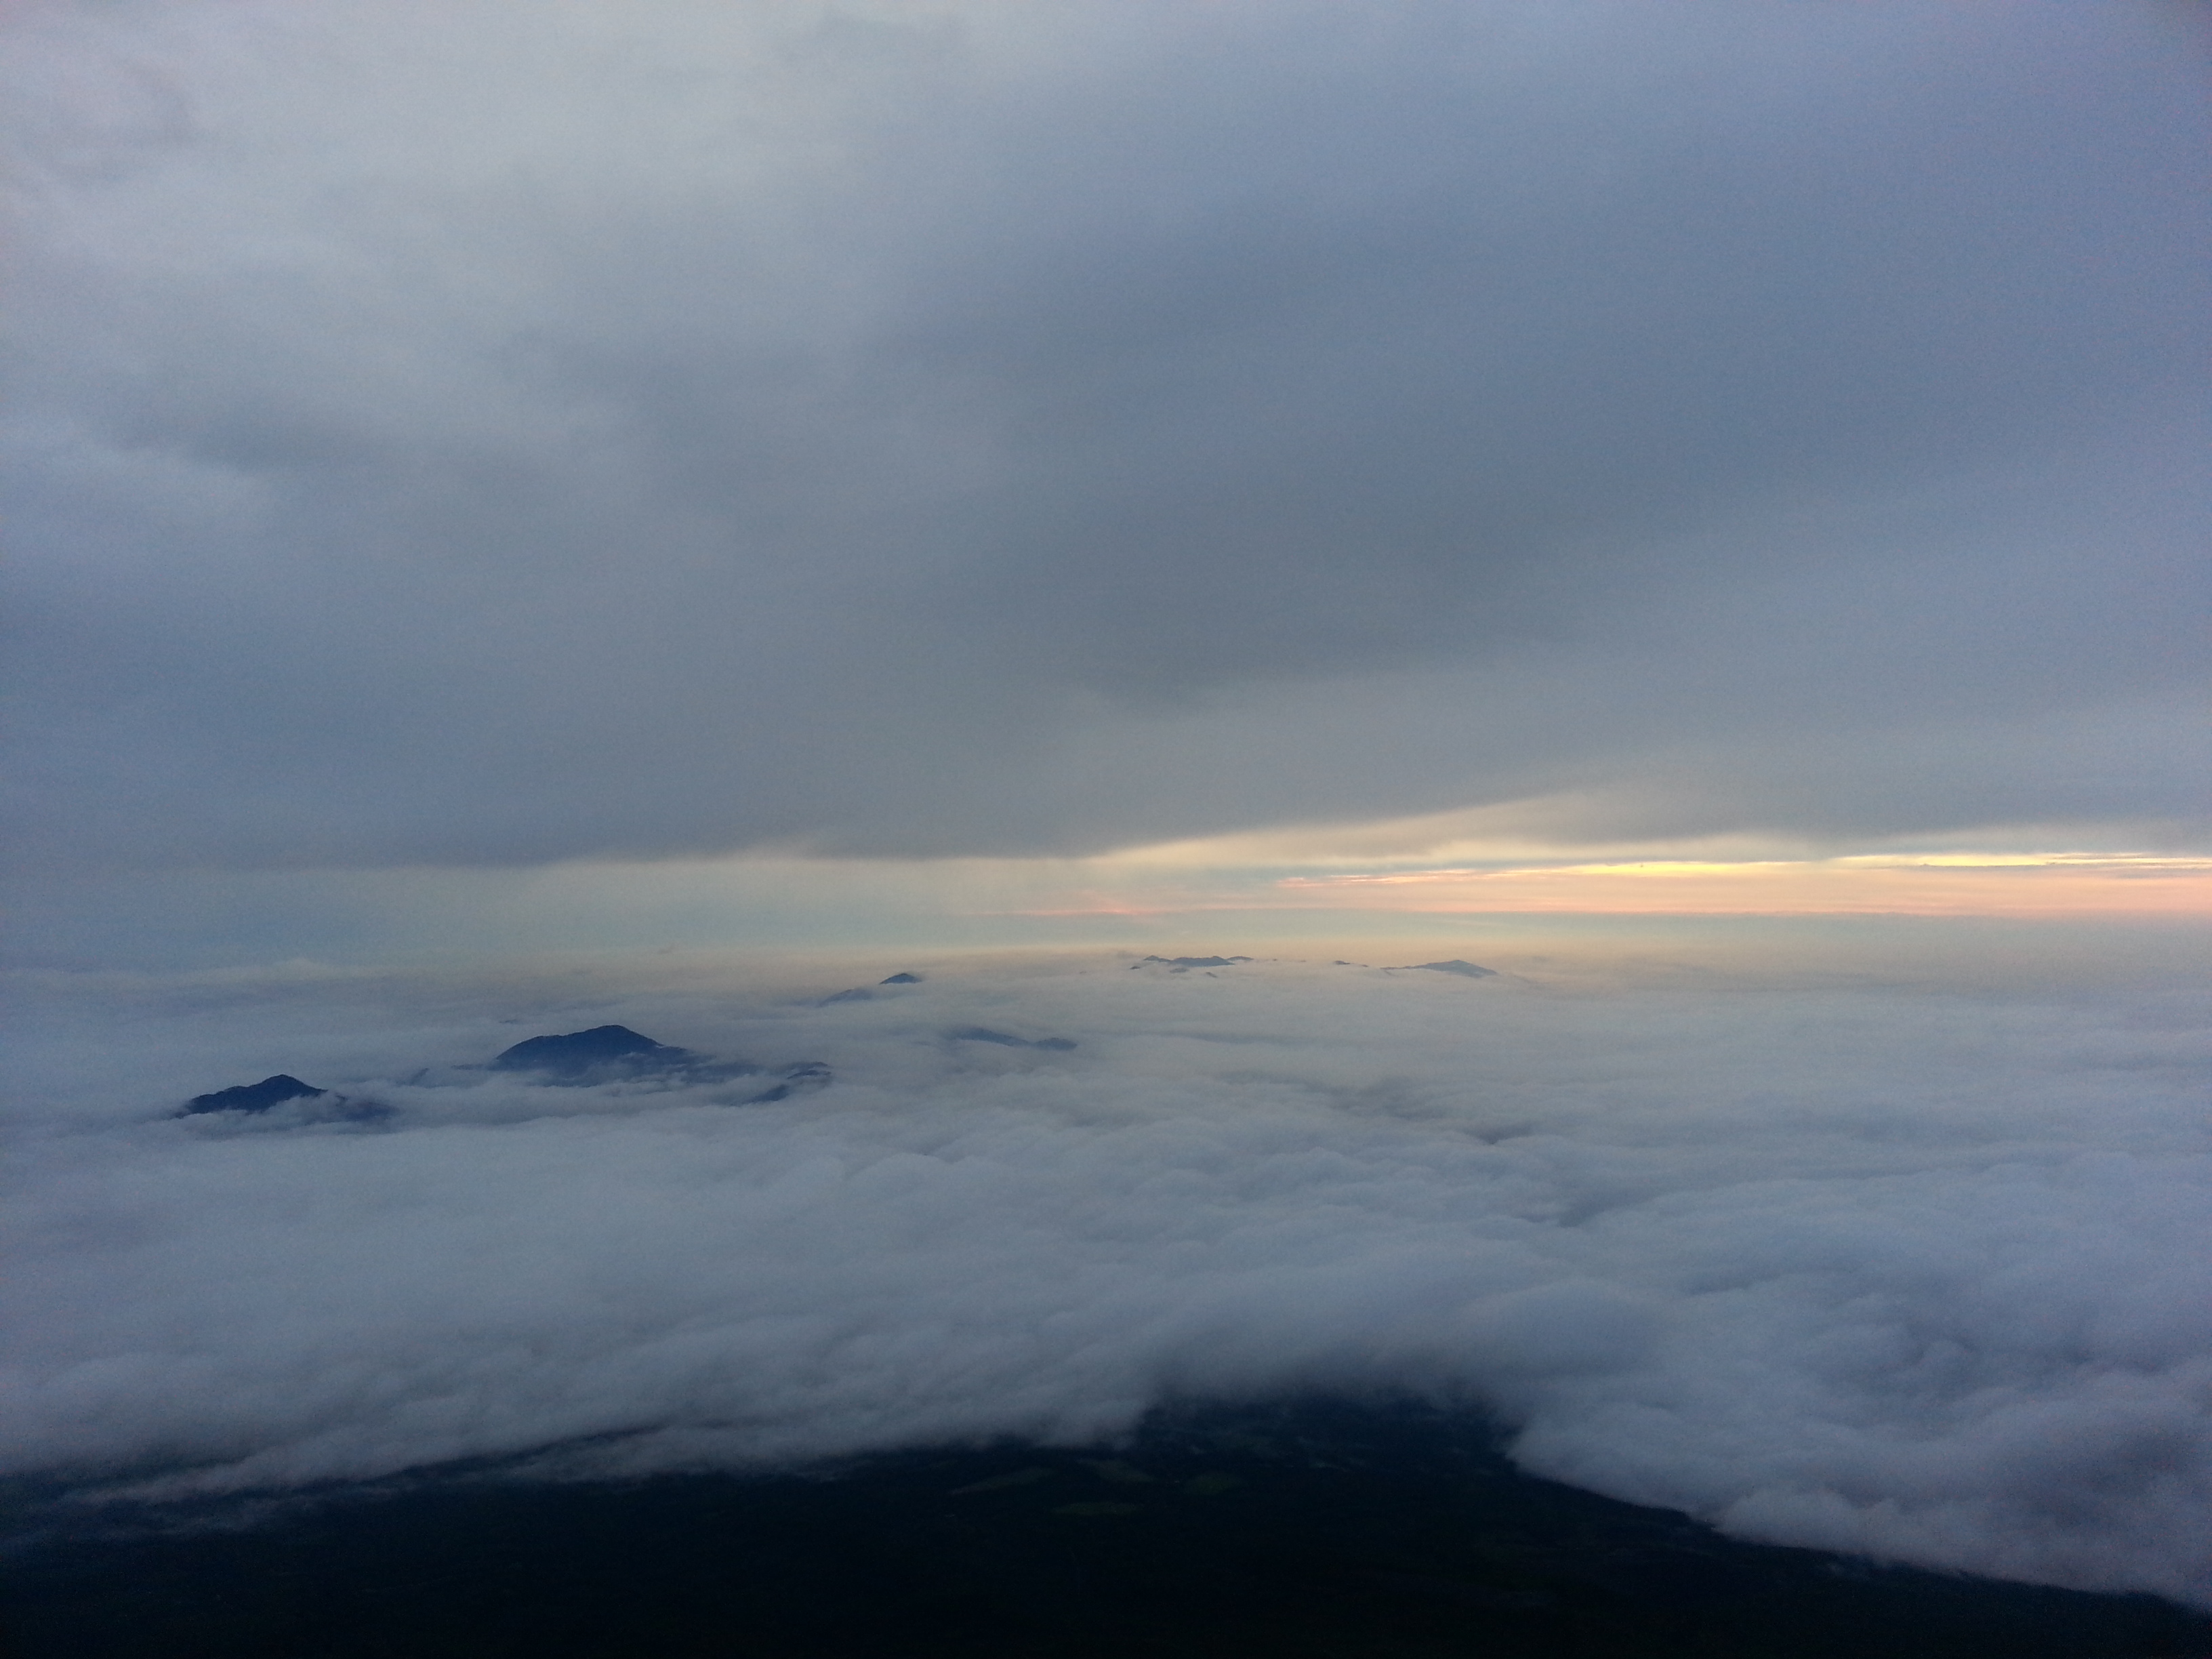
(615, 1046)
(1179, 964)
(901, 979)
(803, 1079)
(1006, 1040)
(1464, 969)
(252, 1097)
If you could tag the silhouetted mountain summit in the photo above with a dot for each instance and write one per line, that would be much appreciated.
(861, 993)
(253, 1097)
(1465, 970)
(615, 1053)
(614, 1050)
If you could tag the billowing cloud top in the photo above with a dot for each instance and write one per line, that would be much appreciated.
(477, 431)
(1909, 1268)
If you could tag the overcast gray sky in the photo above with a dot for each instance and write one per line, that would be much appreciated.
(475, 465)
(480, 433)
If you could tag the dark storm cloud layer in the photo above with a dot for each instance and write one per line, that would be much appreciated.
(1914, 1272)
(481, 431)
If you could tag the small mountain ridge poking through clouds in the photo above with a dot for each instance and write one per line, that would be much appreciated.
(602, 1056)
(1006, 1040)
(253, 1097)
(584, 1054)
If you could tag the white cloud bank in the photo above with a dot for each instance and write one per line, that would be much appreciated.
(1923, 1273)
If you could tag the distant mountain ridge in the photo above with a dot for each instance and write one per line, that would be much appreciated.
(253, 1097)
(602, 1049)
(616, 1054)
(604, 1053)
(1007, 1039)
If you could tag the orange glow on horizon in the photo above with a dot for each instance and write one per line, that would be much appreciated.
(1961, 884)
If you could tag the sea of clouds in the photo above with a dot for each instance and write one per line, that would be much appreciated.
(1831, 1259)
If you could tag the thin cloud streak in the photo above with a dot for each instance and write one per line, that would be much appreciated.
(1942, 884)
(1158, 894)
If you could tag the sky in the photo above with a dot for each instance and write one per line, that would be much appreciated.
(471, 439)
(527, 516)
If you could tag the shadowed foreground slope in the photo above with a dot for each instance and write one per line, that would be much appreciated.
(1333, 1531)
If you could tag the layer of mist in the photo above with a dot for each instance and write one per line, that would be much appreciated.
(1913, 1272)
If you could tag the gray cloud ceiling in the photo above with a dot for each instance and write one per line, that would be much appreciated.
(487, 433)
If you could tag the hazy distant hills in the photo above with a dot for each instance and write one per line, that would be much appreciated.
(1184, 964)
(617, 1054)
(1005, 1040)
(603, 1054)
